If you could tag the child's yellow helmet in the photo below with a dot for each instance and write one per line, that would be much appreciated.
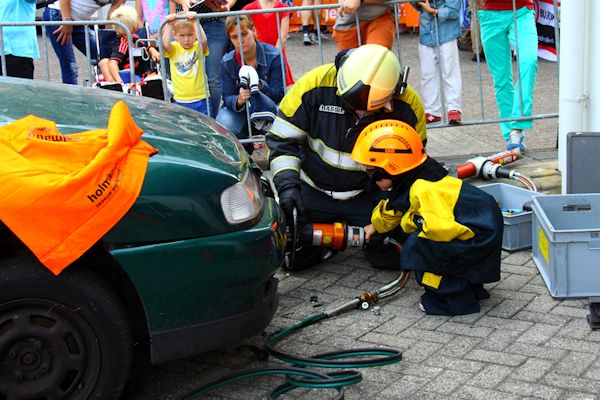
(391, 145)
(368, 77)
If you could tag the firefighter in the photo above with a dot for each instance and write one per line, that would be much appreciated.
(314, 132)
(452, 230)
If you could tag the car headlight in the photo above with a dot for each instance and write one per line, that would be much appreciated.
(243, 201)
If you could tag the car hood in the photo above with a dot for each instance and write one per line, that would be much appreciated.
(197, 158)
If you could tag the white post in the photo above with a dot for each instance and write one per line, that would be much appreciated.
(575, 67)
(592, 84)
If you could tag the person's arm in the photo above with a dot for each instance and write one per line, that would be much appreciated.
(285, 28)
(229, 86)
(200, 35)
(167, 33)
(64, 32)
(140, 11)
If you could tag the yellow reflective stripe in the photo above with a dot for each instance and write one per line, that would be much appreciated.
(431, 280)
(333, 157)
(285, 130)
(282, 163)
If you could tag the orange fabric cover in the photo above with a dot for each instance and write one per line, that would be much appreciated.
(62, 193)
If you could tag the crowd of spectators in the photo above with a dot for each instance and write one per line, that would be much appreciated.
(494, 33)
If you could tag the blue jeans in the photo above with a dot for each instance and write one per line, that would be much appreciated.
(199, 106)
(236, 122)
(217, 45)
(65, 54)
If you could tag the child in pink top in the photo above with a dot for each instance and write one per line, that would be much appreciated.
(266, 26)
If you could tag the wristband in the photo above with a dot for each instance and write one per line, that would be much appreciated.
(68, 19)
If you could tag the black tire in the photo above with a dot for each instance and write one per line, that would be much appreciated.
(61, 337)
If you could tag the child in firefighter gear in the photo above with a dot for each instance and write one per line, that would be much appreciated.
(312, 137)
(452, 230)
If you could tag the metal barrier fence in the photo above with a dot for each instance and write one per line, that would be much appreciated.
(394, 4)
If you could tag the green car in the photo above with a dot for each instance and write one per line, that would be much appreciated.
(188, 269)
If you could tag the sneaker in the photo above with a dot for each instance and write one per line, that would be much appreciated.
(432, 119)
(306, 39)
(516, 141)
(315, 38)
(454, 117)
(421, 307)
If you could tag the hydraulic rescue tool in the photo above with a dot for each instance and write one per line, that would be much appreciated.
(492, 167)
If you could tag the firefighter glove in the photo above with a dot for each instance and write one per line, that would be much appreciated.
(289, 199)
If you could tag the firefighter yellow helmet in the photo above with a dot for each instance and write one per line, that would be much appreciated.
(391, 145)
(368, 77)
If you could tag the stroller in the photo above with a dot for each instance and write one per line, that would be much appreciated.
(149, 85)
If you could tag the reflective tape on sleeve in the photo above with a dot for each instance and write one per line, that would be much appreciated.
(282, 163)
(285, 130)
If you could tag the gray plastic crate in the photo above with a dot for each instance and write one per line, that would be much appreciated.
(517, 227)
(566, 243)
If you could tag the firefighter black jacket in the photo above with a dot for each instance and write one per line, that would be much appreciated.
(452, 227)
(314, 133)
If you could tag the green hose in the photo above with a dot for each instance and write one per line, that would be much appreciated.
(299, 377)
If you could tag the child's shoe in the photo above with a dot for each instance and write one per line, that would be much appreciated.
(516, 141)
(454, 117)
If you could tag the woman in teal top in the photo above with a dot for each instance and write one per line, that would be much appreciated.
(20, 42)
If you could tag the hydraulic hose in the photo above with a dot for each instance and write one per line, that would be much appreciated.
(299, 377)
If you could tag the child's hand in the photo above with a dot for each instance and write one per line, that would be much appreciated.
(171, 17)
(154, 54)
(191, 15)
(369, 231)
(425, 6)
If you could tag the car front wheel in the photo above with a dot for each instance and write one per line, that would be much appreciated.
(61, 337)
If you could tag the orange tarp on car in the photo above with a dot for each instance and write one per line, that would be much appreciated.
(61, 193)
